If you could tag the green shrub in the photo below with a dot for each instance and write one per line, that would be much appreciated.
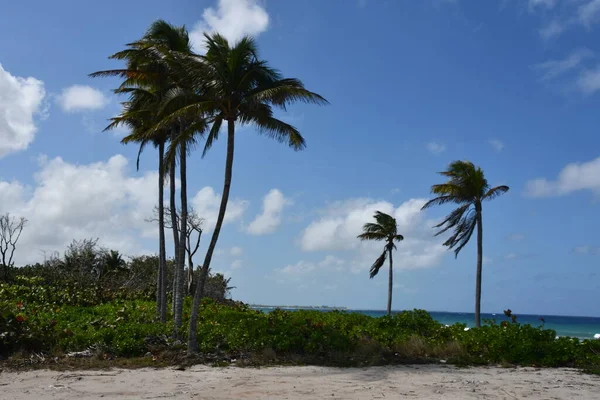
(37, 317)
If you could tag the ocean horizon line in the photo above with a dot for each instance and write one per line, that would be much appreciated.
(346, 308)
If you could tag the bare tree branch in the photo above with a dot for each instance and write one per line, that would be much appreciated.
(194, 227)
(194, 221)
(10, 233)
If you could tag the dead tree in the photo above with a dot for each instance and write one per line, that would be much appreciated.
(10, 232)
(194, 228)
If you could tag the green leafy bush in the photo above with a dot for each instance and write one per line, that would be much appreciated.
(38, 317)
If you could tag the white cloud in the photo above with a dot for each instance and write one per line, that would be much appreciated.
(83, 201)
(554, 68)
(573, 177)
(589, 81)
(206, 203)
(21, 99)
(236, 251)
(585, 80)
(553, 29)
(233, 19)
(236, 264)
(435, 147)
(517, 256)
(586, 250)
(270, 218)
(10, 194)
(533, 4)
(582, 249)
(303, 269)
(560, 15)
(589, 12)
(337, 229)
(332, 262)
(497, 145)
(299, 269)
(340, 224)
(81, 97)
(98, 200)
(515, 237)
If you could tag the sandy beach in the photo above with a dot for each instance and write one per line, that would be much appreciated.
(202, 382)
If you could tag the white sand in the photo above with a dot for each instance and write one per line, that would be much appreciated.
(202, 382)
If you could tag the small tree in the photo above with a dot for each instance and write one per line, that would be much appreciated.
(10, 232)
(467, 188)
(112, 262)
(217, 287)
(384, 229)
(192, 238)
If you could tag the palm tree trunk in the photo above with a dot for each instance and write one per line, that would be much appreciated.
(390, 284)
(161, 292)
(192, 346)
(190, 271)
(479, 267)
(173, 208)
(182, 236)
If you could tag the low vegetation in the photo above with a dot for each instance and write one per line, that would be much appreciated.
(53, 321)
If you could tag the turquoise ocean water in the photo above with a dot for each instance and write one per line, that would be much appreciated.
(580, 327)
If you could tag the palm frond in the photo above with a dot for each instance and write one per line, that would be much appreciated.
(495, 192)
(453, 219)
(183, 113)
(467, 186)
(284, 92)
(188, 136)
(139, 154)
(462, 234)
(385, 228)
(372, 236)
(451, 188)
(441, 200)
(373, 228)
(279, 131)
(213, 134)
(378, 264)
(387, 222)
(459, 168)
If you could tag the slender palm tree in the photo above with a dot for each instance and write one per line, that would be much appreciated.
(137, 114)
(385, 229)
(232, 85)
(466, 187)
(152, 62)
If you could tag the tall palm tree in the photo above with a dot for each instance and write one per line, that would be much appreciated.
(385, 229)
(137, 114)
(233, 85)
(153, 63)
(468, 188)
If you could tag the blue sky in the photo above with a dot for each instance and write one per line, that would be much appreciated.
(512, 85)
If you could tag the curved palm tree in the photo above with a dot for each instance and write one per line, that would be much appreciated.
(385, 229)
(467, 187)
(231, 85)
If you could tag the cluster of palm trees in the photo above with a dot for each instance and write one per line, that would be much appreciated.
(177, 98)
(466, 187)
